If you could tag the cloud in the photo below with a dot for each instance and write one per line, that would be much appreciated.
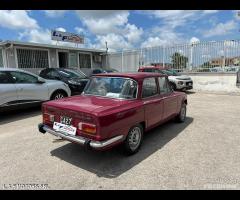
(104, 21)
(61, 29)
(55, 13)
(221, 29)
(177, 18)
(194, 40)
(37, 35)
(17, 19)
(114, 42)
(111, 26)
(163, 36)
(79, 30)
(133, 33)
(210, 11)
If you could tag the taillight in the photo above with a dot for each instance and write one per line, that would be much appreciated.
(87, 127)
(48, 117)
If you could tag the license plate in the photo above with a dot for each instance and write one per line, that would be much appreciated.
(63, 128)
(65, 120)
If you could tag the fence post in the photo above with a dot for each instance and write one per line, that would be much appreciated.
(122, 62)
(191, 57)
(163, 56)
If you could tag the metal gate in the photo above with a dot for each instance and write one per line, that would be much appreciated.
(216, 56)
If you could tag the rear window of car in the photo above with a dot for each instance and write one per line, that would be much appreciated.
(4, 78)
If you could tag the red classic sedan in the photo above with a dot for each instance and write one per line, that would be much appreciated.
(114, 108)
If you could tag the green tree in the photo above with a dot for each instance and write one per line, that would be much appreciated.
(179, 60)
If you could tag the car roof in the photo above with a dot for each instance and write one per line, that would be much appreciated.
(136, 75)
(152, 67)
(13, 69)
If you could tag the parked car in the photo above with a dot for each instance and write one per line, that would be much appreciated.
(75, 78)
(177, 81)
(101, 70)
(18, 87)
(115, 108)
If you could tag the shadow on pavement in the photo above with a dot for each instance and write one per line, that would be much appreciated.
(8, 116)
(190, 92)
(112, 163)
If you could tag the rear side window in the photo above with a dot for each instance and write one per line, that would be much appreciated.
(21, 77)
(148, 70)
(4, 78)
(52, 74)
(163, 85)
(97, 71)
(149, 87)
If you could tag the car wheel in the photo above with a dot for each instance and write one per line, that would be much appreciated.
(173, 86)
(133, 140)
(58, 95)
(182, 114)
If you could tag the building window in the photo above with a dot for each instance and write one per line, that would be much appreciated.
(28, 58)
(1, 58)
(85, 60)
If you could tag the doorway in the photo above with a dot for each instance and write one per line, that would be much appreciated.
(63, 59)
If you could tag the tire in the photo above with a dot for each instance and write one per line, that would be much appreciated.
(181, 117)
(58, 95)
(173, 86)
(133, 140)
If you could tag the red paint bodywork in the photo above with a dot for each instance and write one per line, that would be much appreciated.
(116, 116)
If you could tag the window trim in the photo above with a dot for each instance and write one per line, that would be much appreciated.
(31, 48)
(157, 84)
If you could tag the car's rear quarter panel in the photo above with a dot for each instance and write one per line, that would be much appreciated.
(118, 121)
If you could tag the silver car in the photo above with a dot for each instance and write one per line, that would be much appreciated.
(18, 87)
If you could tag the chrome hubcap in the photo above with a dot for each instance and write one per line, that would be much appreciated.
(59, 96)
(134, 138)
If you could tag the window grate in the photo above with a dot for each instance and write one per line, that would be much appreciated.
(1, 58)
(28, 58)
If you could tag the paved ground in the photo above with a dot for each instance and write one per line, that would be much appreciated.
(203, 153)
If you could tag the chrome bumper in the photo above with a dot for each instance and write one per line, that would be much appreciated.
(80, 140)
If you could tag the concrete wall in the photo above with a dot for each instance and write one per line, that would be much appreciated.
(215, 82)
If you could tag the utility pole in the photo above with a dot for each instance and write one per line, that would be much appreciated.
(106, 52)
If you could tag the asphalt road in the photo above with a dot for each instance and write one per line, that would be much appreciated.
(202, 153)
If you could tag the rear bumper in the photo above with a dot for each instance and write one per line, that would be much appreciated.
(81, 140)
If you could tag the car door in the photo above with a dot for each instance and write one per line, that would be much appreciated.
(8, 91)
(153, 105)
(170, 99)
(28, 88)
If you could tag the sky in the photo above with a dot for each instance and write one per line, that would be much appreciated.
(121, 29)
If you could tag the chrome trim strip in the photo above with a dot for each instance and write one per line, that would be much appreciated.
(81, 140)
(7, 105)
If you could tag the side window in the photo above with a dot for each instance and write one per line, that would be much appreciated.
(163, 85)
(149, 87)
(21, 77)
(52, 74)
(4, 78)
(148, 70)
(97, 71)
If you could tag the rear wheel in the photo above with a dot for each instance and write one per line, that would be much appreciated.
(58, 95)
(182, 114)
(134, 140)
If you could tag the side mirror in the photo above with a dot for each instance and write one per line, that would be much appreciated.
(41, 80)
